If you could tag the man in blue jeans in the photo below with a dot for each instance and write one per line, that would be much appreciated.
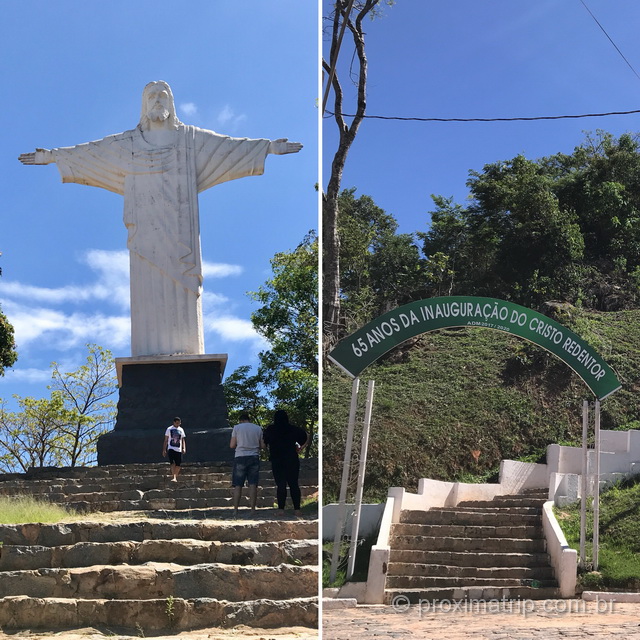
(246, 439)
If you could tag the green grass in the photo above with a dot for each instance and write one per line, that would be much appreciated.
(361, 568)
(23, 509)
(619, 553)
(455, 403)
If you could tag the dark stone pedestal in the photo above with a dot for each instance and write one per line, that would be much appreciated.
(153, 390)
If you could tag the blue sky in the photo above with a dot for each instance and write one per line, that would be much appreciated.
(470, 59)
(74, 72)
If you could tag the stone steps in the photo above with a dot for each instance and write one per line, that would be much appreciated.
(438, 570)
(159, 480)
(178, 567)
(453, 515)
(487, 545)
(162, 580)
(507, 501)
(468, 559)
(147, 488)
(153, 615)
(199, 501)
(427, 582)
(69, 533)
(179, 551)
(467, 531)
(478, 549)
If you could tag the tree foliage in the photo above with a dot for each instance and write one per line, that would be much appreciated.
(565, 227)
(561, 228)
(8, 353)
(380, 268)
(287, 376)
(61, 430)
(86, 394)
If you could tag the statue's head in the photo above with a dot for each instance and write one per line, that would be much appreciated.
(158, 105)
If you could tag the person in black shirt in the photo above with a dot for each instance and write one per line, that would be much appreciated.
(285, 441)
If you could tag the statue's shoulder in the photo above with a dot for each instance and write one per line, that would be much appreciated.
(194, 131)
(117, 138)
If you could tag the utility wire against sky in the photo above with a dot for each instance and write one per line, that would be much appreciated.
(516, 119)
(584, 4)
(329, 114)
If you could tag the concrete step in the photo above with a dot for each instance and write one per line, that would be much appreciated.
(486, 545)
(481, 593)
(464, 517)
(539, 573)
(506, 501)
(462, 531)
(23, 612)
(163, 580)
(468, 559)
(492, 507)
(180, 551)
(52, 535)
(433, 582)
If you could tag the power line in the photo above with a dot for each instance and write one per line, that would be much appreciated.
(610, 39)
(518, 119)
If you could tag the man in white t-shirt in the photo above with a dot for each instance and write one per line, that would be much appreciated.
(246, 439)
(174, 446)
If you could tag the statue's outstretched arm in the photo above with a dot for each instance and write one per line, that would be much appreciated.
(39, 156)
(282, 146)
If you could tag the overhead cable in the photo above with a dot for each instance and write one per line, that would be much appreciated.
(522, 118)
(610, 39)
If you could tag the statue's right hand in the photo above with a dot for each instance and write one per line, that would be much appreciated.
(39, 156)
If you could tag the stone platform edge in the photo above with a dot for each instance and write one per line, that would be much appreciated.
(173, 359)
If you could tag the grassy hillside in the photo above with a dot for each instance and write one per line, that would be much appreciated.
(619, 559)
(454, 403)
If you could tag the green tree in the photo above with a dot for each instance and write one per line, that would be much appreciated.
(287, 376)
(8, 353)
(87, 396)
(61, 430)
(245, 392)
(288, 317)
(380, 268)
(564, 227)
(31, 436)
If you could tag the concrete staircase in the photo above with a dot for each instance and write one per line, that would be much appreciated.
(476, 550)
(167, 557)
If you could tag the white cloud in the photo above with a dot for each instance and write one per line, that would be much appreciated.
(112, 284)
(234, 329)
(30, 376)
(56, 316)
(65, 331)
(188, 108)
(228, 119)
(220, 270)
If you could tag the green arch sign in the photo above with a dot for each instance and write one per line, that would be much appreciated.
(369, 343)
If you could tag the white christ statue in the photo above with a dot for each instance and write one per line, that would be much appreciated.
(160, 167)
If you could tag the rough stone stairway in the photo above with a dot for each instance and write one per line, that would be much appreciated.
(167, 558)
(476, 550)
(145, 487)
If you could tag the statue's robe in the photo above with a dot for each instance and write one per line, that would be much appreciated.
(160, 185)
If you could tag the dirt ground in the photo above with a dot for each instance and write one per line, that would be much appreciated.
(246, 633)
